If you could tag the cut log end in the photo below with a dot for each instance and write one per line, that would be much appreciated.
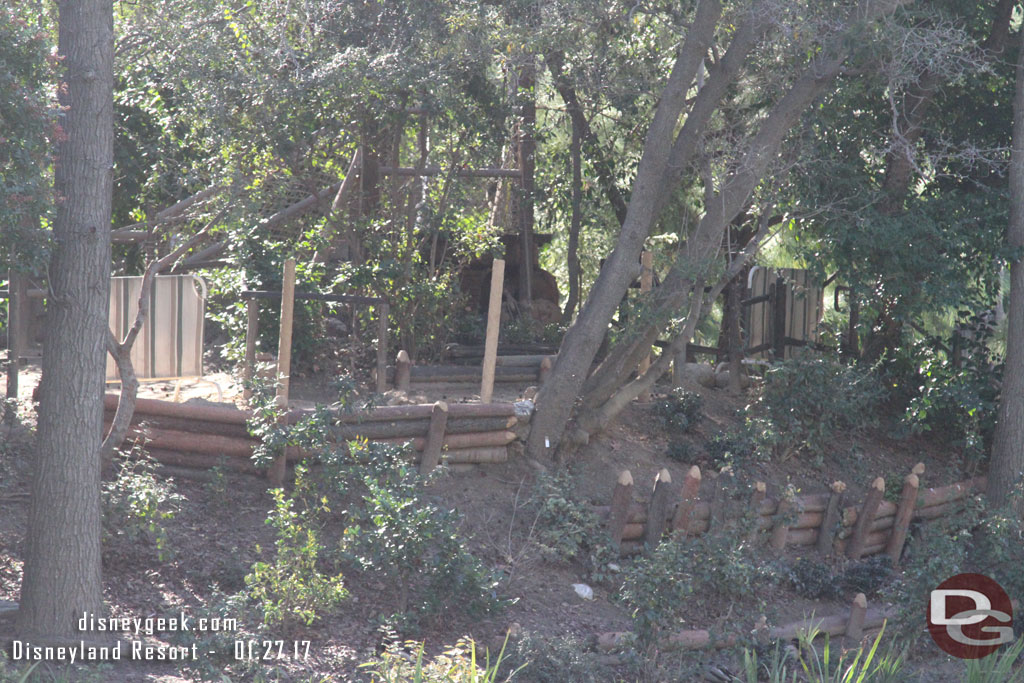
(838, 486)
(918, 469)
(878, 484)
(761, 487)
(664, 476)
(912, 480)
(694, 473)
(625, 478)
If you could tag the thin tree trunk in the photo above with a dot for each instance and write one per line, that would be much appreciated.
(580, 343)
(62, 573)
(527, 150)
(1007, 466)
(576, 202)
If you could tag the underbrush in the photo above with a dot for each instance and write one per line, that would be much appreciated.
(137, 505)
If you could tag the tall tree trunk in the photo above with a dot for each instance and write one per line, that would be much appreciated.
(1007, 466)
(576, 204)
(581, 342)
(62, 574)
(527, 151)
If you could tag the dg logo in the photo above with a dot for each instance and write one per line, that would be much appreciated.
(970, 616)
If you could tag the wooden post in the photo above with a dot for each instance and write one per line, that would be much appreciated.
(858, 611)
(646, 282)
(383, 311)
(855, 548)
(545, 370)
(756, 499)
(493, 326)
(284, 362)
(435, 438)
(658, 509)
(252, 330)
(904, 513)
(778, 292)
(618, 515)
(687, 500)
(403, 371)
(781, 528)
(827, 533)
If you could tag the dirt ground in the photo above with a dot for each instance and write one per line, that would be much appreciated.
(216, 533)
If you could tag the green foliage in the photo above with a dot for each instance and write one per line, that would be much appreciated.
(546, 659)
(824, 665)
(137, 504)
(817, 581)
(459, 664)
(1002, 666)
(658, 587)
(568, 529)
(680, 411)
(979, 540)
(398, 534)
(958, 395)
(807, 400)
(291, 589)
(814, 580)
(26, 120)
(733, 448)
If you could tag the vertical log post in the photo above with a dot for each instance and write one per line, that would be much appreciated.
(658, 509)
(618, 515)
(545, 370)
(646, 282)
(252, 331)
(383, 311)
(687, 501)
(904, 513)
(865, 517)
(284, 362)
(858, 611)
(756, 500)
(402, 371)
(778, 293)
(435, 438)
(781, 528)
(829, 520)
(493, 326)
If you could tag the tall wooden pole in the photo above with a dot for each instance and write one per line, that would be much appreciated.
(493, 326)
(252, 330)
(284, 361)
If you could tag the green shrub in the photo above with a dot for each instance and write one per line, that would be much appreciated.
(137, 504)
(657, 587)
(567, 528)
(681, 451)
(396, 533)
(459, 664)
(733, 448)
(680, 410)
(554, 660)
(291, 589)
(814, 580)
(867, 576)
(806, 401)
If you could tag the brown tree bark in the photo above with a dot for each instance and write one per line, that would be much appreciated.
(62, 573)
(1007, 464)
(581, 342)
(661, 166)
(575, 220)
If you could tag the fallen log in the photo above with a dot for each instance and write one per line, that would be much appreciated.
(188, 442)
(237, 431)
(185, 411)
(803, 536)
(946, 494)
(419, 427)
(422, 411)
(456, 441)
(477, 456)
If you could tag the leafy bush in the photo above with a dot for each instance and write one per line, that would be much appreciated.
(958, 396)
(657, 586)
(459, 664)
(814, 580)
(867, 576)
(681, 451)
(291, 589)
(733, 448)
(137, 503)
(680, 410)
(554, 660)
(568, 529)
(398, 534)
(806, 400)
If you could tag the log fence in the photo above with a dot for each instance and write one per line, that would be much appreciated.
(818, 520)
(204, 436)
(519, 369)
